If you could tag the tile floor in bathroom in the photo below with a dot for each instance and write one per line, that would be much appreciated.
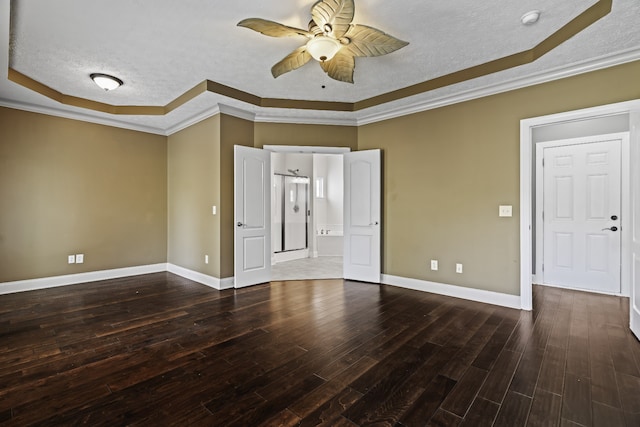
(325, 267)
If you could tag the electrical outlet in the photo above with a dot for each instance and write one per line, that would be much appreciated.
(71, 259)
(206, 259)
(434, 264)
(79, 258)
(459, 268)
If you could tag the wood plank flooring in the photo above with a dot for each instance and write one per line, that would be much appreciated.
(162, 350)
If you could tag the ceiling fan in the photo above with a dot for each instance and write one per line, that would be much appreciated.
(332, 40)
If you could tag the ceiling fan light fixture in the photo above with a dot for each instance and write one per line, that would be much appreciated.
(105, 81)
(323, 48)
(530, 17)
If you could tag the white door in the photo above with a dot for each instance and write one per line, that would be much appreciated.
(634, 301)
(362, 215)
(582, 216)
(252, 213)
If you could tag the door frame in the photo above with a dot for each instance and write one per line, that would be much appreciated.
(527, 148)
(625, 205)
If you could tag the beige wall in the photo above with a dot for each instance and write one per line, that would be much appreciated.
(126, 198)
(446, 171)
(233, 131)
(200, 175)
(193, 188)
(68, 187)
(305, 135)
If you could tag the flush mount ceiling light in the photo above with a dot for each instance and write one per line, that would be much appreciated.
(531, 17)
(333, 40)
(106, 81)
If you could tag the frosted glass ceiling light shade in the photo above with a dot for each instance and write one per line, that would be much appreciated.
(323, 48)
(530, 18)
(106, 81)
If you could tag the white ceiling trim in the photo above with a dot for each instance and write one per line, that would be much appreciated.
(237, 112)
(73, 115)
(266, 116)
(544, 77)
(197, 118)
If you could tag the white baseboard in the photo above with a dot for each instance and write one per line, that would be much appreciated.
(487, 297)
(72, 279)
(94, 276)
(227, 283)
(205, 279)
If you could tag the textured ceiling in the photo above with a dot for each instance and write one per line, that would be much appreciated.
(162, 48)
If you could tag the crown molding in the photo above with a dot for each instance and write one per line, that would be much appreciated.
(73, 115)
(195, 119)
(353, 119)
(558, 73)
(237, 112)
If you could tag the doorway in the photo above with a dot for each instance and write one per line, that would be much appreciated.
(578, 213)
(362, 217)
(623, 117)
(307, 215)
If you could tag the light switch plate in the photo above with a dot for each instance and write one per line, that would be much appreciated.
(505, 210)
(79, 258)
(214, 209)
(71, 259)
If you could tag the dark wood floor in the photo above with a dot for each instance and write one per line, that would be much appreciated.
(161, 350)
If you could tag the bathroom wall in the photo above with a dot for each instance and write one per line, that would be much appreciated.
(328, 209)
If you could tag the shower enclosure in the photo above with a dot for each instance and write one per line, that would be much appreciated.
(291, 212)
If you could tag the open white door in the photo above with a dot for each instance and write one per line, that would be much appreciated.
(634, 309)
(252, 213)
(362, 215)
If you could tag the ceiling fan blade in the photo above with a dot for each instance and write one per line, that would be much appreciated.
(294, 60)
(369, 41)
(335, 15)
(273, 29)
(340, 67)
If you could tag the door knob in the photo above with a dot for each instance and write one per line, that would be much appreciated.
(614, 228)
(374, 223)
(240, 224)
(614, 217)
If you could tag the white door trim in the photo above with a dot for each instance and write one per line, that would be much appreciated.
(625, 205)
(526, 182)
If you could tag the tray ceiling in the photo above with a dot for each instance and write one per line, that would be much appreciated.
(189, 59)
